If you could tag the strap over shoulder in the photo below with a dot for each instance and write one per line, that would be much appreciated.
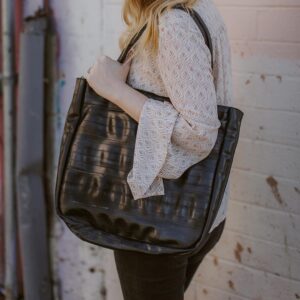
(196, 17)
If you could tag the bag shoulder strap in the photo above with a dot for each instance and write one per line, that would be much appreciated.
(196, 17)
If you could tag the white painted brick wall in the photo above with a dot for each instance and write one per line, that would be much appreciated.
(258, 257)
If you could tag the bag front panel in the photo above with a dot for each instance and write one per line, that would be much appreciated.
(94, 192)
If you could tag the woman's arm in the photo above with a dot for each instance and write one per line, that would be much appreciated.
(171, 137)
(130, 100)
(108, 77)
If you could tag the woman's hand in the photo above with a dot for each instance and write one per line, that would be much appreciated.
(107, 77)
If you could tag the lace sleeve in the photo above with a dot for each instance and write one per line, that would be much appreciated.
(171, 137)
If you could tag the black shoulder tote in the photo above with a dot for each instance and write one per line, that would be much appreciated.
(93, 198)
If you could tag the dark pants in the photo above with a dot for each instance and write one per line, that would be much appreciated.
(160, 277)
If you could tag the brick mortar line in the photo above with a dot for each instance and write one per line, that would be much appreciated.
(265, 208)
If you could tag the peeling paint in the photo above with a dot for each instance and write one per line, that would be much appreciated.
(216, 261)
(103, 292)
(272, 182)
(103, 289)
(237, 251)
(231, 284)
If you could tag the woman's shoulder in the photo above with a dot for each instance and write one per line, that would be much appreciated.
(176, 27)
(176, 19)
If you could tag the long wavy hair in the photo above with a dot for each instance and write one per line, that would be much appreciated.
(137, 13)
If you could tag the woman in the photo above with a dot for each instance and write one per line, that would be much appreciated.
(170, 59)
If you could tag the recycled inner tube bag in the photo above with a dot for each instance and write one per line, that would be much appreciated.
(93, 198)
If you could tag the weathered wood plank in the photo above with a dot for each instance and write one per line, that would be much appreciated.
(244, 250)
(246, 282)
(274, 92)
(277, 127)
(204, 291)
(266, 158)
(266, 191)
(266, 224)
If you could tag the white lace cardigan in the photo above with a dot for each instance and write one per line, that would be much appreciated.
(172, 137)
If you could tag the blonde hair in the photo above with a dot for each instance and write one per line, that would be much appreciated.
(137, 13)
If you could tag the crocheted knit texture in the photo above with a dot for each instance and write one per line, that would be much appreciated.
(171, 137)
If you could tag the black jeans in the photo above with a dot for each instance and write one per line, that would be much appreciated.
(160, 277)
